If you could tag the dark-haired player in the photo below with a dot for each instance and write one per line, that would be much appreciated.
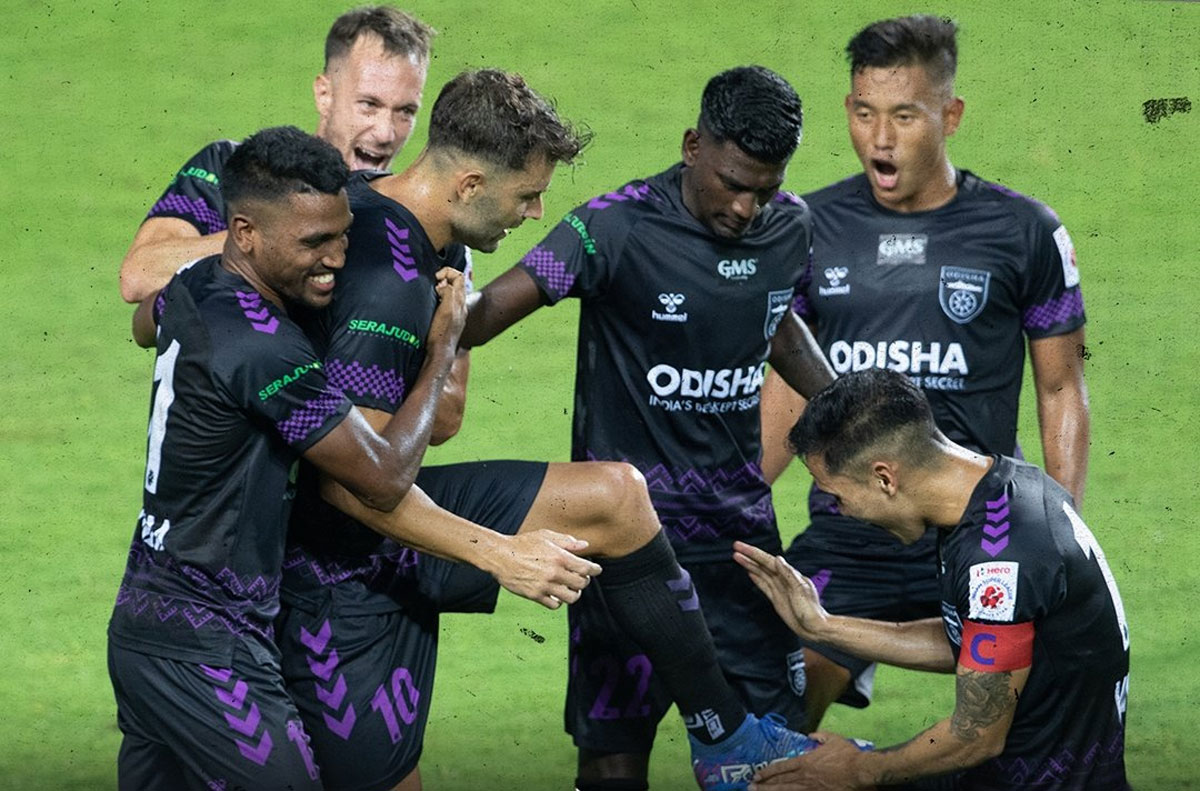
(930, 271)
(1031, 621)
(239, 395)
(359, 625)
(686, 281)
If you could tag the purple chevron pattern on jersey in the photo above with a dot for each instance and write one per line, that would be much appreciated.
(1103, 763)
(310, 416)
(1055, 311)
(389, 565)
(744, 523)
(550, 269)
(372, 380)
(637, 192)
(662, 478)
(197, 208)
(402, 261)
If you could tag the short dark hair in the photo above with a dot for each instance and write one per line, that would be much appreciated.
(864, 410)
(275, 163)
(919, 40)
(755, 108)
(496, 116)
(402, 33)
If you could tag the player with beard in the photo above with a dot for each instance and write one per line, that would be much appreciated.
(239, 395)
(1031, 621)
(685, 281)
(359, 625)
(931, 271)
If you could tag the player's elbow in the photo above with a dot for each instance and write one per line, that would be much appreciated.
(386, 494)
(134, 285)
(446, 425)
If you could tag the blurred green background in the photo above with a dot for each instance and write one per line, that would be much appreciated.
(102, 101)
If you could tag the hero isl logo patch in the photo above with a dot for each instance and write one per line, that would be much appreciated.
(993, 591)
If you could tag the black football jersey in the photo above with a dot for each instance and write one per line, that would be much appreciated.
(1023, 562)
(238, 394)
(372, 338)
(946, 296)
(194, 195)
(674, 332)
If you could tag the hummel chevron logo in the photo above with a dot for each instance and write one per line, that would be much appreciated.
(997, 510)
(235, 698)
(249, 724)
(316, 643)
(223, 674)
(343, 726)
(402, 260)
(323, 670)
(260, 753)
(260, 317)
(332, 697)
(629, 193)
(684, 583)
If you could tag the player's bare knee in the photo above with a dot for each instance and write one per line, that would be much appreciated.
(629, 510)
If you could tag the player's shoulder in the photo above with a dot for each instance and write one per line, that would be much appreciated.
(1023, 208)
(626, 203)
(852, 189)
(208, 162)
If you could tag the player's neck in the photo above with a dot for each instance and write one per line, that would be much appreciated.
(234, 262)
(951, 484)
(419, 190)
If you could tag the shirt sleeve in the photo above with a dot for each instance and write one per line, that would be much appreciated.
(194, 195)
(271, 370)
(576, 259)
(1051, 299)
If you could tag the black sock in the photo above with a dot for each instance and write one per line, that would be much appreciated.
(652, 598)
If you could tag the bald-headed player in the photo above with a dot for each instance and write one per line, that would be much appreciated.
(929, 270)
(1031, 622)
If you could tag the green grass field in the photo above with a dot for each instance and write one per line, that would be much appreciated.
(103, 100)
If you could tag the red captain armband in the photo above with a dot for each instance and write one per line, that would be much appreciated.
(996, 648)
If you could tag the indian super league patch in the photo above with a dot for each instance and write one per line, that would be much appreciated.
(963, 292)
(778, 304)
(797, 674)
(1066, 249)
(993, 591)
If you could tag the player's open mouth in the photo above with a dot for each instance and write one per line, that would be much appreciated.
(323, 281)
(886, 174)
(368, 160)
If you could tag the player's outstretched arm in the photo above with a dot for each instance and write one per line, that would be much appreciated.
(797, 357)
(917, 645)
(160, 247)
(502, 303)
(983, 712)
(781, 408)
(540, 565)
(1063, 415)
(376, 455)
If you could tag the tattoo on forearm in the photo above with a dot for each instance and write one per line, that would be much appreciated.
(981, 700)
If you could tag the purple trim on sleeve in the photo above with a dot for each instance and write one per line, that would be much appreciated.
(637, 192)
(1056, 311)
(311, 416)
(354, 378)
(552, 272)
(783, 196)
(1003, 190)
(194, 208)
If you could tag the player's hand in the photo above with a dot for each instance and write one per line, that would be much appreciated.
(831, 767)
(793, 595)
(542, 566)
(451, 312)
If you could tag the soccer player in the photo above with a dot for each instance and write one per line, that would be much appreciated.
(931, 271)
(358, 629)
(239, 395)
(367, 97)
(686, 281)
(1031, 621)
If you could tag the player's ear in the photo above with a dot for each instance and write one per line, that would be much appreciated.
(883, 475)
(952, 115)
(469, 184)
(242, 231)
(323, 94)
(691, 147)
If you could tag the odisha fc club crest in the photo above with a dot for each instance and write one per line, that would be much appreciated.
(778, 304)
(963, 292)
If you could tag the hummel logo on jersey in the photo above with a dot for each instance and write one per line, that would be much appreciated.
(737, 268)
(670, 303)
(835, 275)
(901, 248)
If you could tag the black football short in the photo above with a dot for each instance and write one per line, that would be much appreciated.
(877, 579)
(363, 681)
(614, 702)
(193, 726)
